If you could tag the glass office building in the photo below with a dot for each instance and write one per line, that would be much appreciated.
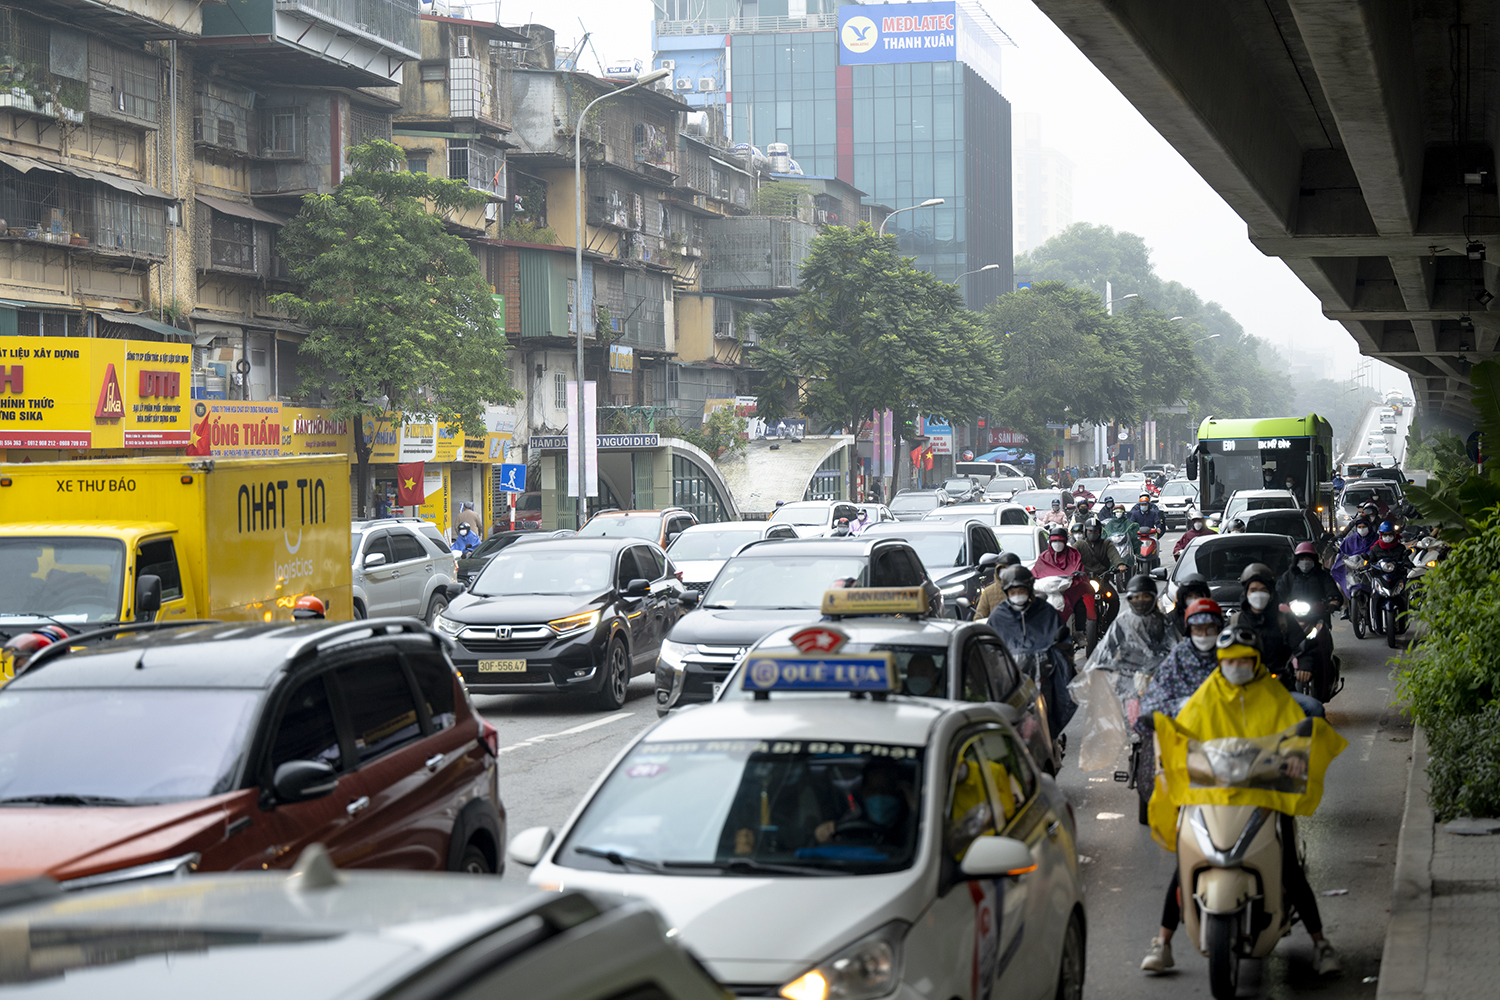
(900, 100)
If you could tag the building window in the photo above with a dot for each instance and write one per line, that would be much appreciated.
(695, 492)
(231, 243)
(365, 125)
(123, 84)
(433, 73)
(559, 391)
(283, 133)
(416, 164)
(44, 323)
(222, 117)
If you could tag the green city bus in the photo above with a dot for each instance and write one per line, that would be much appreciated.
(1262, 454)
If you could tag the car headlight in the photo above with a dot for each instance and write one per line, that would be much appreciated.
(954, 590)
(868, 968)
(674, 653)
(448, 626)
(573, 624)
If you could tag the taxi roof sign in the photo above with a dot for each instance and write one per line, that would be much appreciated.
(875, 601)
(871, 672)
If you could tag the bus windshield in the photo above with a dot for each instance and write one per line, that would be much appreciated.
(1236, 464)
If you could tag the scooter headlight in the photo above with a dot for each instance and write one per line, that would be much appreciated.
(1301, 608)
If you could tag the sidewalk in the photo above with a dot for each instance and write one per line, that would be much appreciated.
(1443, 938)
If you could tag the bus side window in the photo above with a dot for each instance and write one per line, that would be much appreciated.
(159, 558)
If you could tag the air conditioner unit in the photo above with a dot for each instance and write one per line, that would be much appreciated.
(683, 83)
(669, 64)
(708, 83)
(463, 46)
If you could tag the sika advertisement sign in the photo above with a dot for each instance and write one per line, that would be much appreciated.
(897, 33)
(84, 392)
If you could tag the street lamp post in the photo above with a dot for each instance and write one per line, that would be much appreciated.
(977, 270)
(929, 203)
(577, 415)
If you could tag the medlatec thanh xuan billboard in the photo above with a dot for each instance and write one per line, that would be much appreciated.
(897, 33)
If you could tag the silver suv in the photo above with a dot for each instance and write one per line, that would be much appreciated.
(402, 566)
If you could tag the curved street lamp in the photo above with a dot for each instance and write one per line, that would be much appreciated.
(977, 270)
(929, 203)
(578, 236)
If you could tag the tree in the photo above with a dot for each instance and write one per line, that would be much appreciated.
(871, 332)
(1058, 361)
(398, 307)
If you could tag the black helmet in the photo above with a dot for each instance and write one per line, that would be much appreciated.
(1009, 559)
(1141, 584)
(1093, 524)
(1258, 572)
(1192, 585)
(1017, 576)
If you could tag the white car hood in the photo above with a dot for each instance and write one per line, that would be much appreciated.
(761, 930)
(696, 570)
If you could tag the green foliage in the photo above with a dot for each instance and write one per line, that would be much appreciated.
(519, 230)
(871, 332)
(723, 433)
(1458, 499)
(782, 198)
(397, 306)
(1464, 765)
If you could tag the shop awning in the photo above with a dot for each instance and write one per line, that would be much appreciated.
(242, 211)
(26, 164)
(145, 323)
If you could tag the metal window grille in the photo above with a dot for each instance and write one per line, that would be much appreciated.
(107, 218)
(123, 84)
(283, 133)
(46, 323)
(828, 482)
(465, 88)
(231, 243)
(559, 391)
(479, 164)
(723, 319)
(458, 160)
(365, 125)
(223, 117)
(42, 71)
(695, 492)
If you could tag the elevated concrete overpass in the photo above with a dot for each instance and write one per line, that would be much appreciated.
(1356, 138)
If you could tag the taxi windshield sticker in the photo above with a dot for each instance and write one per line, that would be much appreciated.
(868, 672)
(740, 748)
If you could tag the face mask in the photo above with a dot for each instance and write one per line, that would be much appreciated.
(919, 685)
(1059, 546)
(1259, 600)
(1237, 675)
(1363, 531)
(1197, 525)
(1305, 565)
(1094, 536)
(1388, 539)
(1141, 607)
(1019, 600)
(1203, 643)
(881, 809)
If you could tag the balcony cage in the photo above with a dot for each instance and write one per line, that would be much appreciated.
(232, 245)
(224, 117)
(365, 124)
(479, 164)
(57, 206)
(123, 84)
(42, 71)
(394, 21)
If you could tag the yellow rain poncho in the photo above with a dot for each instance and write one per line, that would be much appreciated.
(1267, 720)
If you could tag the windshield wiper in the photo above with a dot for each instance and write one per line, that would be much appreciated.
(716, 607)
(620, 860)
(66, 800)
(748, 866)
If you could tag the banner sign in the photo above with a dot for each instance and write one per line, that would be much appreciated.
(557, 442)
(897, 33)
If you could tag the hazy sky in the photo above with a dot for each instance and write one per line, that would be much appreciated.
(1125, 174)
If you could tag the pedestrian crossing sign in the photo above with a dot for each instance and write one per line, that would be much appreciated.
(512, 478)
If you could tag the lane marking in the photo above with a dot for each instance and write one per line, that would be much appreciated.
(585, 727)
(1110, 816)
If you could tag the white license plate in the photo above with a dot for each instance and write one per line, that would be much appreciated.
(502, 666)
(718, 686)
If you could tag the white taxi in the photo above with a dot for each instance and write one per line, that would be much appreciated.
(879, 845)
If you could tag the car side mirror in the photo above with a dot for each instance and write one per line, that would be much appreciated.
(528, 846)
(457, 590)
(688, 598)
(147, 596)
(304, 780)
(373, 559)
(639, 587)
(1215, 519)
(994, 857)
(1159, 573)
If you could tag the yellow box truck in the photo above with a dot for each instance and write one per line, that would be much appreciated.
(85, 544)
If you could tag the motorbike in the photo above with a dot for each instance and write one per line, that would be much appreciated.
(1425, 554)
(1315, 654)
(1229, 857)
(1148, 552)
(1389, 602)
(1121, 542)
(1358, 583)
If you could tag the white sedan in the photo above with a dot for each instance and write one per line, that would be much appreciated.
(818, 847)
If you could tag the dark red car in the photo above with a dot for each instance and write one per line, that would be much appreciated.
(231, 747)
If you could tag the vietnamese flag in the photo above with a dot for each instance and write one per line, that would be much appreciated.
(409, 488)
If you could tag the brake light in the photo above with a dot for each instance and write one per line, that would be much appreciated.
(490, 737)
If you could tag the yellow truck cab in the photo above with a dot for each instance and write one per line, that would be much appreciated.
(84, 544)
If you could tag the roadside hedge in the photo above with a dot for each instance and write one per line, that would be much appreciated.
(1450, 676)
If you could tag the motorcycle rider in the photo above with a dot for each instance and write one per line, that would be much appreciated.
(1122, 525)
(1307, 580)
(1236, 526)
(993, 595)
(1146, 514)
(1241, 699)
(1054, 516)
(1185, 667)
(1356, 543)
(1034, 633)
(1081, 513)
(464, 539)
(1099, 554)
(1061, 559)
(1190, 588)
(1135, 643)
(1388, 544)
(1279, 633)
(1197, 528)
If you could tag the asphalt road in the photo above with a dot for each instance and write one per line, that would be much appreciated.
(553, 748)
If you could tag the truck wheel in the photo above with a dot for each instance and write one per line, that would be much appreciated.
(435, 607)
(616, 676)
(1223, 963)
